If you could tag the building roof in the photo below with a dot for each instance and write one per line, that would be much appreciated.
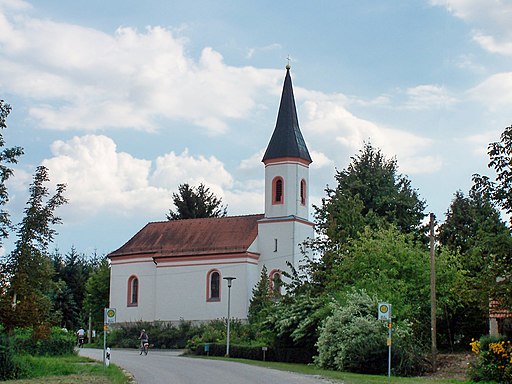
(231, 234)
(287, 140)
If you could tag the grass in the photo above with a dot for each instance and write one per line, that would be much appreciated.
(68, 370)
(343, 377)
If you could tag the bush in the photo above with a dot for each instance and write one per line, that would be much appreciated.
(44, 341)
(9, 369)
(494, 362)
(161, 335)
(255, 352)
(352, 339)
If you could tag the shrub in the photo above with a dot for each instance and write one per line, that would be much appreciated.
(44, 342)
(9, 369)
(352, 339)
(494, 360)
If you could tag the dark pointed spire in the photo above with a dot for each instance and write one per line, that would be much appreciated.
(287, 140)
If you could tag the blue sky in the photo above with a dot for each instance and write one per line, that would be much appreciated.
(125, 100)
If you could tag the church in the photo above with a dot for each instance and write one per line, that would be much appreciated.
(179, 270)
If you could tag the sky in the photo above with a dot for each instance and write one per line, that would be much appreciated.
(125, 100)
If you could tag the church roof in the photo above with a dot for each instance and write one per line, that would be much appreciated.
(287, 140)
(231, 234)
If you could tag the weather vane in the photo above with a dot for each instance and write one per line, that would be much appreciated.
(289, 59)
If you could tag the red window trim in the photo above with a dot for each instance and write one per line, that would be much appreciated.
(210, 299)
(129, 301)
(303, 192)
(274, 190)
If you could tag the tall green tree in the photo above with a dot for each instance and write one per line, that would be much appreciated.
(97, 290)
(480, 239)
(7, 156)
(499, 192)
(261, 300)
(26, 300)
(196, 202)
(370, 191)
(71, 274)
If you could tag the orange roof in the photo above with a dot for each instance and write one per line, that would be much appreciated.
(231, 234)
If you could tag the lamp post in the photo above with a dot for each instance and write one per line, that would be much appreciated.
(229, 280)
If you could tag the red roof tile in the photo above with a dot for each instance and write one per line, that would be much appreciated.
(193, 237)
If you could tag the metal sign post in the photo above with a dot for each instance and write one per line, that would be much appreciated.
(109, 317)
(385, 314)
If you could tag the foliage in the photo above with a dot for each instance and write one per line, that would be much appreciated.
(390, 265)
(196, 202)
(7, 156)
(500, 193)
(68, 369)
(261, 301)
(97, 290)
(369, 192)
(352, 339)
(255, 351)
(161, 334)
(49, 342)
(9, 368)
(475, 234)
(494, 361)
(26, 300)
(71, 274)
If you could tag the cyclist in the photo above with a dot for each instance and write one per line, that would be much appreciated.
(81, 337)
(144, 339)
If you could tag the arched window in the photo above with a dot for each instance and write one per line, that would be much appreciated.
(303, 192)
(278, 190)
(275, 283)
(133, 291)
(213, 286)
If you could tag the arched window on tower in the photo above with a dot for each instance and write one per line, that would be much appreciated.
(303, 192)
(133, 291)
(213, 286)
(278, 190)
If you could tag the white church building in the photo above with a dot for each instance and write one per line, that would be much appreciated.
(175, 270)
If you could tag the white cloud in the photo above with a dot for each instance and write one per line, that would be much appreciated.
(99, 178)
(340, 134)
(428, 96)
(81, 78)
(491, 21)
(495, 91)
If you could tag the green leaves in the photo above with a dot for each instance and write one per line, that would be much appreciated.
(193, 203)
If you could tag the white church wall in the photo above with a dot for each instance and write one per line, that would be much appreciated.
(182, 291)
(144, 271)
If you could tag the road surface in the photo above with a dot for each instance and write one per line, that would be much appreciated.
(170, 368)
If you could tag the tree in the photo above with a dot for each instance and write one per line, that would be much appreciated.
(7, 156)
(500, 155)
(193, 203)
(97, 291)
(71, 274)
(369, 192)
(261, 300)
(28, 267)
(499, 192)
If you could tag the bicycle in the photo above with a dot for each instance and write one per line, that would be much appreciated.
(144, 348)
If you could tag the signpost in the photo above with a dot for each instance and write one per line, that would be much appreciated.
(385, 314)
(109, 317)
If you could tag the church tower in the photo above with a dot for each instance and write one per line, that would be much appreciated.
(286, 223)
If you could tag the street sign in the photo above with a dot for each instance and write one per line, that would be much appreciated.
(110, 315)
(384, 311)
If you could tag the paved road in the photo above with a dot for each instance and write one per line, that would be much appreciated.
(170, 368)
